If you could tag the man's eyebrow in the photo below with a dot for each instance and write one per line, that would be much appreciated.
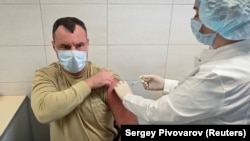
(80, 43)
(63, 44)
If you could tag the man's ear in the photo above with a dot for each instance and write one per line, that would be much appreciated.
(88, 43)
(53, 44)
(54, 47)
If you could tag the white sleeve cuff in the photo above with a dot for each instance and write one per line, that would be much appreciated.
(169, 85)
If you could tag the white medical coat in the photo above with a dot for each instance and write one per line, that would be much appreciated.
(215, 92)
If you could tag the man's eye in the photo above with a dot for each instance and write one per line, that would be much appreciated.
(65, 47)
(80, 46)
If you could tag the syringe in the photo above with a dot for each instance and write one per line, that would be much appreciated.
(135, 82)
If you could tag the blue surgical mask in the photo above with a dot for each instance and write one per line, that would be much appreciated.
(206, 39)
(72, 60)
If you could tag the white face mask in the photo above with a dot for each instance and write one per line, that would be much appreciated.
(206, 39)
(72, 60)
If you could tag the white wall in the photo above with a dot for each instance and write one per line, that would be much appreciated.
(131, 37)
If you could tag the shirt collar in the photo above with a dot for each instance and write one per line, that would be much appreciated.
(225, 52)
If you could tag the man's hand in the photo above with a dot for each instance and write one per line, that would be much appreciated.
(122, 89)
(101, 78)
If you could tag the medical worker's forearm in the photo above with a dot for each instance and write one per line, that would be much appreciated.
(169, 85)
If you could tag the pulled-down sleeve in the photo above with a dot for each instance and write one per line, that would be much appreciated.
(121, 114)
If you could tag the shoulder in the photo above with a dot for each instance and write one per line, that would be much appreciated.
(52, 69)
(231, 72)
(94, 68)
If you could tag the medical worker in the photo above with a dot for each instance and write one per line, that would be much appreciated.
(218, 89)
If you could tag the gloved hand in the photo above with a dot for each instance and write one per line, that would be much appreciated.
(122, 89)
(152, 82)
